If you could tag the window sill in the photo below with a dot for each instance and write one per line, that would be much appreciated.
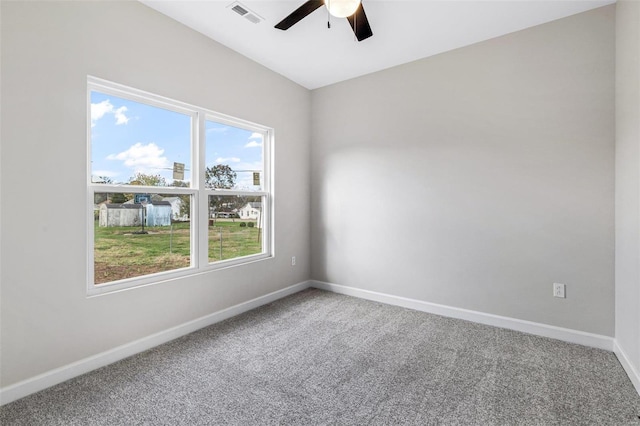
(174, 275)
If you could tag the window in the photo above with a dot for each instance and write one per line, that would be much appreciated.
(235, 164)
(174, 189)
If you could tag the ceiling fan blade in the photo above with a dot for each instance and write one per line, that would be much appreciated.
(299, 13)
(360, 24)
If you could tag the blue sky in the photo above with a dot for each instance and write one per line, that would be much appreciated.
(128, 137)
(238, 148)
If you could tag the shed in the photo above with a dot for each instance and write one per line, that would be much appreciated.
(158, 213)
(130, 214)
(120, 215)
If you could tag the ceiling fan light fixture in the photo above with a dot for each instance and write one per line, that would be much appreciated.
(342, 8)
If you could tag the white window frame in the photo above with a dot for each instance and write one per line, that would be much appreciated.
(199, 216)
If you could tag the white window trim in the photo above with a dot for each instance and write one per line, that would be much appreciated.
(199, 205)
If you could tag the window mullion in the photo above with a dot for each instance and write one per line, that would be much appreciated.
(203, 202)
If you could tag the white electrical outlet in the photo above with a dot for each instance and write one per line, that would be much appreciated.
(293, 261)
(558, 290)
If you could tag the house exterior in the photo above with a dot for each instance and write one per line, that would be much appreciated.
(250, 211)
(130, 214)
(176, 204)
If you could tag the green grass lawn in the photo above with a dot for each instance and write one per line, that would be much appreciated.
(236, 241)
(119, 253)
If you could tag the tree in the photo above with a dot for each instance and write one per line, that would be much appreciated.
(100, 197)
(220, 176)
(147, 180)
(119, 198)
(102, 179)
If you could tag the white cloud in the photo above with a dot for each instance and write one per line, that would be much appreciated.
(255, 140)
(143, 158)
(244, 180)
(121, 118)
(105, 107)
(221, 160)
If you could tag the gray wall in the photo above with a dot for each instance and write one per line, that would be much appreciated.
(47, 51)
(628, 181)
(476, 178)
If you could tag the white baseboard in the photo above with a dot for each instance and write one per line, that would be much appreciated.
(59, 375)
(544, 330)
(633, 374)
(75, 369)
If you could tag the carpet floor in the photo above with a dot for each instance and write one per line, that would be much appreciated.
(318, 358)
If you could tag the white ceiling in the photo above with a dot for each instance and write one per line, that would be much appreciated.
(403, 31)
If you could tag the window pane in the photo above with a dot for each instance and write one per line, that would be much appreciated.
(138, 144)
(235, 226)
(140, 234)
(234, 158)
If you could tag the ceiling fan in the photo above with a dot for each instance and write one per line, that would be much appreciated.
(350, 9)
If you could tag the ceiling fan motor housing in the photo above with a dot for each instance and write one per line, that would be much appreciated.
(342, 8)
(357, 18)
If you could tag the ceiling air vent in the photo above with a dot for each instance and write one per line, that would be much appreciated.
(245, 12)
(239, 10)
